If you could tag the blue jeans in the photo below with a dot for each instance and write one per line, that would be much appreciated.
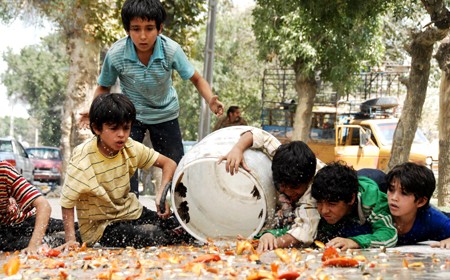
(166, 139)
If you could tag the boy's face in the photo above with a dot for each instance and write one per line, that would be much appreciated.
(401, 203)
(293, 194)
(143, 33)
(333, 212)
(113, 137)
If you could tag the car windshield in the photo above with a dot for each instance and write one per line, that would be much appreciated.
(6, 146)
(45, 153)
(386, 133)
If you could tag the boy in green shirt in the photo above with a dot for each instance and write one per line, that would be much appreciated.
(354, 212)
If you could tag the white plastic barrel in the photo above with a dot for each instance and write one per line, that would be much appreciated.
(210, 203)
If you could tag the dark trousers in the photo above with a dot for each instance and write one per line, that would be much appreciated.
(17, 237)
(166, 139)
(148, 230)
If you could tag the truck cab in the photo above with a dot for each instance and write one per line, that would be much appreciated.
(362, 139)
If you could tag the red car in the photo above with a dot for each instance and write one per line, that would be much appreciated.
(47, 164)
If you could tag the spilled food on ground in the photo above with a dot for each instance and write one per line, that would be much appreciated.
(229, 260)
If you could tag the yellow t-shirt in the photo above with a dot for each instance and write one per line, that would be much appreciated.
(99, 187)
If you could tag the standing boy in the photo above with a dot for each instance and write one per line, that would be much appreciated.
(354, 212)
(410, 187)
(144, 62)
(293, 168)
(24, 213)
(98, 182)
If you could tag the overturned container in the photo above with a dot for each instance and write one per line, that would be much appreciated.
(210, 203)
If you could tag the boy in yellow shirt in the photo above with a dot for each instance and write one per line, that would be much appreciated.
(97, 183)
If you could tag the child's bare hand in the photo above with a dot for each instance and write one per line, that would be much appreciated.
(166, 213)
(216, 106)
(31, 250)
(267, 242)
(443, 244)
(343, 243)
(83, 121)
(69, 246)
(240, 237)
(234, 159)
(166, 206)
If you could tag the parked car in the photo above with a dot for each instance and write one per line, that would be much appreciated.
(47, 164)
(13, 152)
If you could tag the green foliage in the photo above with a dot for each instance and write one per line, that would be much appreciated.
(101, 19)
(237, 72)
(183, 20)
(38, 76)
(24, 129)
(334, 38)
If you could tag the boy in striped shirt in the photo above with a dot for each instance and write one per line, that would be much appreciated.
(97, 183)
(144, 61)
(24, 213)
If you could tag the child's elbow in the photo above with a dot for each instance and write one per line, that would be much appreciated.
(42, 206)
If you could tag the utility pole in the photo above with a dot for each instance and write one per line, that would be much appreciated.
(203, 128)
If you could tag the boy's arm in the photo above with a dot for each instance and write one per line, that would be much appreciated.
(235, 156)
(69, 228)
(255, 138)
(43, 211)
(306, 220)
(205, 91)
(384, 232)
(168, 167)
(383, 235)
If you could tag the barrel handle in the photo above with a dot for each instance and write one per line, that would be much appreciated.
(162, 203)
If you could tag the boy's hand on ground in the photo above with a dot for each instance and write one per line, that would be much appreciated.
(69, 246)
(343, 243)
(30, 250)
(267, 242)
(443, 244)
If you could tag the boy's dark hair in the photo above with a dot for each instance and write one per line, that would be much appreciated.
(415, 179)
(111, 108)
(143, 9)
(335, 182)
(293, 164)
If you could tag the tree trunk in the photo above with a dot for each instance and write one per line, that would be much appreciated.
(421, 50)
(83, 72)
(306, 88)
(443, 58)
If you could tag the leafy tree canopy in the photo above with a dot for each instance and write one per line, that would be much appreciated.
(331, 37)
(237, 71)
(102, 17)
(38, 76)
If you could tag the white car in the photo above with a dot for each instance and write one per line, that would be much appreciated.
(14, 153)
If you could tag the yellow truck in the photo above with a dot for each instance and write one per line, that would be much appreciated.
(363, 139)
